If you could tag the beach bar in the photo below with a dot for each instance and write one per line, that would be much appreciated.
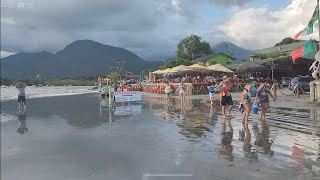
(191, 88)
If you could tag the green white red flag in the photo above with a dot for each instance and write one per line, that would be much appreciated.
(306, 51)
(309, 28)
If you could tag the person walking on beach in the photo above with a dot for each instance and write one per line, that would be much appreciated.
(248, 91)
(262, 96)
(167, 91)
(212, 89)
(182, 93)
(21, 94)
(226, 98)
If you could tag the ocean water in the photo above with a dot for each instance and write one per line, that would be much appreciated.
(9, 93)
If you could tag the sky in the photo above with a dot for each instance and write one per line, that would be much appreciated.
(150, 28)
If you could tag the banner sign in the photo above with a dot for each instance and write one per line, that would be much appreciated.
(129, 96)
(128, 110)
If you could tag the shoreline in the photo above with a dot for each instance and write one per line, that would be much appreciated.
(9, 94)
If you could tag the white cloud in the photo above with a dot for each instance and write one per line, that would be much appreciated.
(256, 28)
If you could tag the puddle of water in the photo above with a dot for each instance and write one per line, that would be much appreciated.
(289, 136)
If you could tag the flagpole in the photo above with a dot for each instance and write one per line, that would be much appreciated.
(318, 21)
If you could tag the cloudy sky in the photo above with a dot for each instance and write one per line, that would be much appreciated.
(149, 28)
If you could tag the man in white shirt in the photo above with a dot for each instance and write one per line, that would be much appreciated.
(21, 94)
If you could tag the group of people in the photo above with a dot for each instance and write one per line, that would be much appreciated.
(181, 90)
(251, 90)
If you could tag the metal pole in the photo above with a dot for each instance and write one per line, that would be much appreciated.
(110, 100)
(318, 21)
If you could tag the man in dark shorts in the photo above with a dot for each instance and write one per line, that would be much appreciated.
(226, 98)
(21, 94)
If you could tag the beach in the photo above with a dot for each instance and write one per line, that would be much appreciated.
(71, 137)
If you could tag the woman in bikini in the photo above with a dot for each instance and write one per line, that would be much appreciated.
(263, 94)
(182, 92)
(248, 91)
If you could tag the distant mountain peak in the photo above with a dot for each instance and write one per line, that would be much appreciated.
(81, 57)
(232, 49)
(82, 43)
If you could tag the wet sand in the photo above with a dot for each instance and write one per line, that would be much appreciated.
(70, 138)
(284, 99)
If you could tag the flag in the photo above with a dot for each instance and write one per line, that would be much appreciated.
(306, 51)
(309, 28)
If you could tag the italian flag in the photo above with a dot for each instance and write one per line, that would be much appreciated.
(309, 28)
(306, 51)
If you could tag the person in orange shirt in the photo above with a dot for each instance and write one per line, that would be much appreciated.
(226, 98)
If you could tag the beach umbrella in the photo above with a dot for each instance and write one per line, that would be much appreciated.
(251, 66)
(219, 68)
(197, 67)
(166, 71)
(157, 72)
(182, 68)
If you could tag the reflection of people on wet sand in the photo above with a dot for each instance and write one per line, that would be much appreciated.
(183, 112)
(226, 141)
(213, 116)
(22, 117)
(245, 136)
(167, 114)
(263, 140)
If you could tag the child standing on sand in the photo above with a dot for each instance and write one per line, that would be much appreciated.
(21, 94)
(167, 91)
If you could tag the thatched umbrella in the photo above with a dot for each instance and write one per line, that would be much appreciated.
(251, 66)
(219, 68)
(197, 67)
(157, 72)
(168, 70)
(182, 68)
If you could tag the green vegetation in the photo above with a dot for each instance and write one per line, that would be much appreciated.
(191, 47)
(114, 75)
(287, 40)
(74, 81)
(188, 49)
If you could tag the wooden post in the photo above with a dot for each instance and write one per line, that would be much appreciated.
(275, 92)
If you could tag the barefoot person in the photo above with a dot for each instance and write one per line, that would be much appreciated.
(167, 91)
(248, 91)
(226, 98)
(212, 89)
(263, 94)
(182, 92)
(21, 94)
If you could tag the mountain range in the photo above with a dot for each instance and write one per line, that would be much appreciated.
(82, 57)
(232, 50)
(87, 58)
